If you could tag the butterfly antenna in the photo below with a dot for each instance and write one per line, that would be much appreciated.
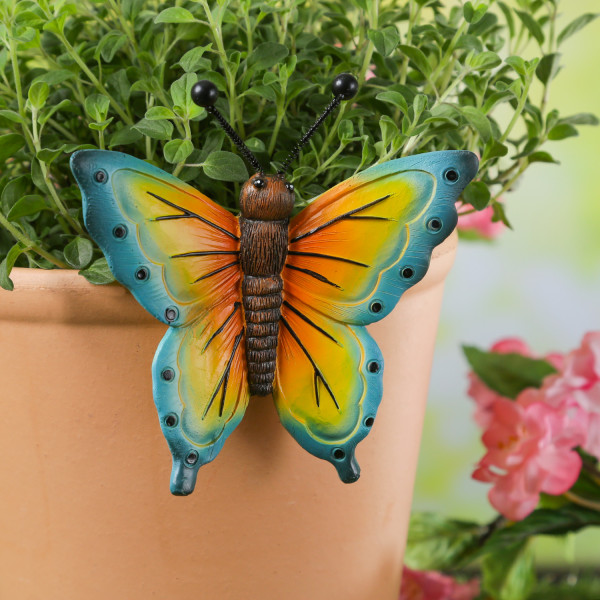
(205, 94)
(344, 87)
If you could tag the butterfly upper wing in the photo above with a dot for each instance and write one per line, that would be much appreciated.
(144, 218)
(356, 248)
(149, 223)
(347, 266)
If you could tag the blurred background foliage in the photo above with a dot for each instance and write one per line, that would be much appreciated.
(539, 282)
(117, 74)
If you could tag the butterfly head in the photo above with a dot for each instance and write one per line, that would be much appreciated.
(267, 197)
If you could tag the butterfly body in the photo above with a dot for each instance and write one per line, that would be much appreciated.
(266, 302)
(266, 203)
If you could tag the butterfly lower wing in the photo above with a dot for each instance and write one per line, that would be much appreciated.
(327, 385)
(200, 389)
(171, 246)
(356, 248)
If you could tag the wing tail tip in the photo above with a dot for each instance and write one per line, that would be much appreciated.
(183, 478)
(348, 469)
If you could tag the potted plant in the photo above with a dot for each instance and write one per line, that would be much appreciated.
(93, 512)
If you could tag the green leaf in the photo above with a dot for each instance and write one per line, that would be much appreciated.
(109, 45)
(507, 374)
(158, 113)
(543, 521)
(541, 156)
(581, 119)
(98, 272)
(175, 14)
(484, 60)
(508, 574)
(267, 55)
(562, 131)
(181, 94)
(225, 166)
(14, 190)
(48, 155)
(126, 135)
(418, 58)
(494, 149)
(385, 40)
(96, 106)
(10, 144)
(479, 121)
(79, 252)
(157, 130)
(477, 194)
(518, 64)
(395, 98)
(193, 61)
(6, 266)
(13, 116)
(548, 67)
(575, 25)
(437, 543)
(28, 205)
(531, 25)
(176, 151)
(38, 94)
(473, 15)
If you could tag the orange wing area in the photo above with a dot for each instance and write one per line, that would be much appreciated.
(327, 386)
(194, 240)
(342, 244)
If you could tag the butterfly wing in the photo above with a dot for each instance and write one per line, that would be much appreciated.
(178, 253)
(328, 385)
(359, 246)
(352, 253)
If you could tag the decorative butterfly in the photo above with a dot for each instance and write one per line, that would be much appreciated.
(263, 303)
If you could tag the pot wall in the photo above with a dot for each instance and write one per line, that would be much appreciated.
(85, 508)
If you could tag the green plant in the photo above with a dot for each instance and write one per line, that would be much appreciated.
(117, 74)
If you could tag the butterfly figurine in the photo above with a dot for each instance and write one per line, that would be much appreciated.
(266, 303)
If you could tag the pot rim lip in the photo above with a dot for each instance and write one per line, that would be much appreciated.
(62, 295)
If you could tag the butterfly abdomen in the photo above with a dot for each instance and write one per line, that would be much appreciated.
(263, 249)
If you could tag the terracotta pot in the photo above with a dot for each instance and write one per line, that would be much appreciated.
(84, 470)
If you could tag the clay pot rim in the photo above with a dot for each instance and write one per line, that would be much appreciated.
(72, 299)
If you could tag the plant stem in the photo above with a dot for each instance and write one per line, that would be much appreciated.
(94, 79)
(31, 244)
(582, 501)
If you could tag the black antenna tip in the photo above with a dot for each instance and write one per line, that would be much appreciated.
(345, 85)
(205, 93)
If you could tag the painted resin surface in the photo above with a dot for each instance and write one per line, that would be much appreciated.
(348, 258)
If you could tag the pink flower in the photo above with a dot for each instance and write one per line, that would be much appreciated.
(578, 381)
(431, 585)
(483, 396)
(530, 450)
(479, 222)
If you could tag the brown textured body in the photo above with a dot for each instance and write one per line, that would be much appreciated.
(263, 250)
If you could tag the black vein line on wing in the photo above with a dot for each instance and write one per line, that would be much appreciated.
(207, 253)
(224, 381)
(329, 256)
(218, 331)
(314, 274)
(227, 266)
(311, 323)
(318, 374)
(346, 215)
(188, 214)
